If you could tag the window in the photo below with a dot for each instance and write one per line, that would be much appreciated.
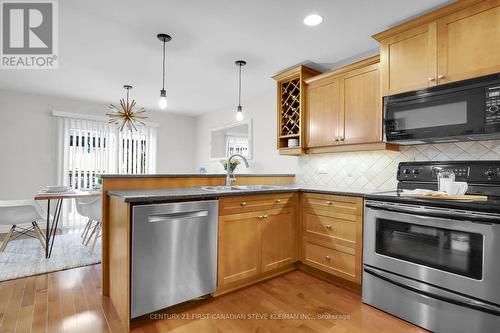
(91, 147)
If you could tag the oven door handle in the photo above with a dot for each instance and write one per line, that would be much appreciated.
(433, 292)
(471, 216)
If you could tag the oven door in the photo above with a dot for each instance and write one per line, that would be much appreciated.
(444, 248)
(442, 116)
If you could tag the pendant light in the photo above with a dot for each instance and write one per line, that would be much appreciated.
(239, 110)
(164, 38)
(127, 115)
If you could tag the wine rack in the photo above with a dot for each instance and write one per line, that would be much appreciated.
(291, 101)
(290, 108)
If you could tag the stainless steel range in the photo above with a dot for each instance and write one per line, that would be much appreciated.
(435, 262)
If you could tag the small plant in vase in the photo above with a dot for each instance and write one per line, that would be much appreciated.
(232, 166)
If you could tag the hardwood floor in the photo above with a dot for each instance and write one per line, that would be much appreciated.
(71, 301)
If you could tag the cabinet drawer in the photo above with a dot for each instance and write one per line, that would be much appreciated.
(254, 203)
(337, 204)
(317, 224)
(329, 260)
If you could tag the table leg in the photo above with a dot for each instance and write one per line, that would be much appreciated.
(47, 233)
(55, 223)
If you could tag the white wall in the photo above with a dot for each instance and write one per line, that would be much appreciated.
(28, 151)
(265, 155)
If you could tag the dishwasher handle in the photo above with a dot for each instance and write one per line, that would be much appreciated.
(176, 216)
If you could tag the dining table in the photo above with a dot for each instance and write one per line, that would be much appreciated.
(52, 223)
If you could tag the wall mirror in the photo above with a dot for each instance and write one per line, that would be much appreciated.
(231, 139)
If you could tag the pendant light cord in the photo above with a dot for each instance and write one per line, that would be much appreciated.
(239, 87)
(163, 63)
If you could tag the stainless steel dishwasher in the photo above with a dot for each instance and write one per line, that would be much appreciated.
(174, 253)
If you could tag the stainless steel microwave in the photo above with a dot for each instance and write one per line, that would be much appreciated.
(459, 111)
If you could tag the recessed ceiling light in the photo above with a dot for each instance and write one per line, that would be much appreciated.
(312, 20)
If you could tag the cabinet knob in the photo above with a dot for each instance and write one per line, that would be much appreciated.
(265, 216)
(278, 200)
(329, 203)
(336, 140)
(431, 78)
(243, 204)
(328, 258)
(328, 226)
(440, 76)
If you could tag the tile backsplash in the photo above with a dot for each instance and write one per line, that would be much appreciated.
(376, 170)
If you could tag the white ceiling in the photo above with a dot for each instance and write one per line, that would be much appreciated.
(107, 43)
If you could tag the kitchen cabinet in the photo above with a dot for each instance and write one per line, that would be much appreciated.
(331, 234)
(291, 109)
(239, 237)
(279, 232)
(408, 60)
(361, 107)
(323, 104)
(344, 111)
(258, 237)
(453, 43)
(468, 42)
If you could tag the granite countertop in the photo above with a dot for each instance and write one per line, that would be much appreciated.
(198, 193)
(194, 175)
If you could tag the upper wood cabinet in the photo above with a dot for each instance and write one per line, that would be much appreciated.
(468, 42)
(408, 60)
(344, 111)
(290, 108)
(456, 42)
(323, 119)
(360, 105)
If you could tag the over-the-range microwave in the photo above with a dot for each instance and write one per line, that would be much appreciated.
(458, 111)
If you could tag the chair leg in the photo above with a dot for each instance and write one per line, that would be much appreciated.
(95, 238)
(85, 229)
(40, 235)
(88, 226)
(92, 234)
(7, 238)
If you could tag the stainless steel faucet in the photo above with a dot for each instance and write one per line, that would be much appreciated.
(229, 180)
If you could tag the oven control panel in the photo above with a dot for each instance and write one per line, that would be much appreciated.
(486, 172)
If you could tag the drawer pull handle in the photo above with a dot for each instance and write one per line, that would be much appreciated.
(261, 217)
(328, 258)
(329, 203)
(243, 204)
(328, 226)
(278, 200)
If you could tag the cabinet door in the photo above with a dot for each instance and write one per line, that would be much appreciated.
(361, 106)
(279, 239)
(468, 43)
(408, 60)
(239, 247)
(323, 114)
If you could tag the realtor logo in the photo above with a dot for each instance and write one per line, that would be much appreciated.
(29, 34)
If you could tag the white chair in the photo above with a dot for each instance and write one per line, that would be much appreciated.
(92, 209)
(16, 212)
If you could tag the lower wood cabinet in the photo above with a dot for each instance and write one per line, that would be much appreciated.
(258, 241)
(279, 235)
(261, 236)
(331, 234)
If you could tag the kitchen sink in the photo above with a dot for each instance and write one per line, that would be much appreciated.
(258, 187)
(221, 188)
(240, 188)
